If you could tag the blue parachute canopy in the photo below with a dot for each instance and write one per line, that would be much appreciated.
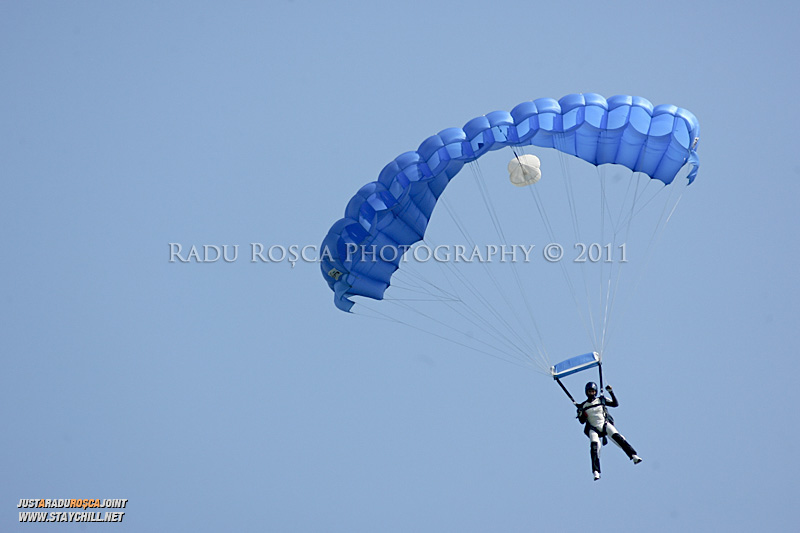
(575, 364)
(393, 212)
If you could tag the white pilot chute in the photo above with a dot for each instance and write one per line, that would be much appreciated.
(524, 170)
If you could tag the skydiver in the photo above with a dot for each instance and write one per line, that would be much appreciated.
(598, 423)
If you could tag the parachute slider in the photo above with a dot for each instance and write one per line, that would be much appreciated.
(575, 364)
(524, 170)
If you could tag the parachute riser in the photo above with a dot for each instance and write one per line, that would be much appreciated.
(579, 364)
(566, 391)
(600, 371)
(569, 395)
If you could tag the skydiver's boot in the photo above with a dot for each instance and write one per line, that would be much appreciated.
(627, 448)
(595, 449)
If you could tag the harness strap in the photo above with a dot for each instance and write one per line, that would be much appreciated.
(600, 432)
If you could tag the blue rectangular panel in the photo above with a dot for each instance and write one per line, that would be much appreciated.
(575, 364)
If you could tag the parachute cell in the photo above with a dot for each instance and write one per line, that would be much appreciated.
(394, 210)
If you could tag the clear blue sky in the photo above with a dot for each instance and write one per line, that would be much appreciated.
(234, 396)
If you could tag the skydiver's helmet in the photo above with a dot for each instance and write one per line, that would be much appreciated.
(591, 386)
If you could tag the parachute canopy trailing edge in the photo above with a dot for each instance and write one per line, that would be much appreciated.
(395, 209)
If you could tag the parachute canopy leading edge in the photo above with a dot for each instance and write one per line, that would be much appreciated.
(395, 210)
